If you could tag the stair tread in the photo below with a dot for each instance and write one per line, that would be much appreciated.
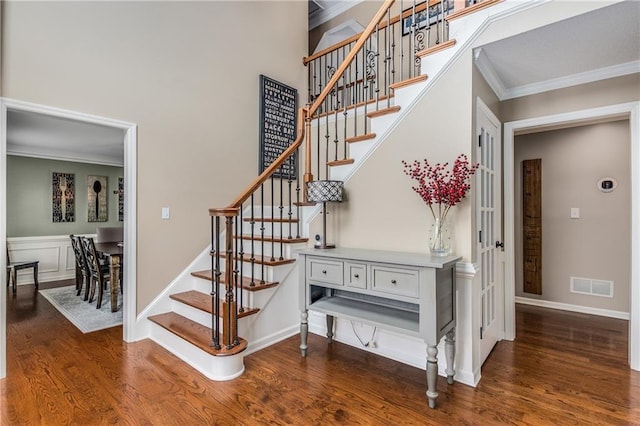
(194, 333)
(258, 259)
(409, 81)
(271, 219)
(274, 239)
(202, 301)
(246, 281)
(436, 48)
(340, 162)
(383, 111)
(360, 138)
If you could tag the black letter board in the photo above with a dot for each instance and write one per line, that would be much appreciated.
(278, 125)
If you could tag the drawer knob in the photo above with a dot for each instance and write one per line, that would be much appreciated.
(393, 282)
(356, 276)
(324, 271)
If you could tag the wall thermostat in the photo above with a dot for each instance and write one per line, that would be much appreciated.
(607, 184)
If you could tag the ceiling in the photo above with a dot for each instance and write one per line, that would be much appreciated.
(601, 44)
(37, 135)
(320, 11)
(589, 47)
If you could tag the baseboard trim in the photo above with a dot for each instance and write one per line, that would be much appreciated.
(272, 339)
(572, 308)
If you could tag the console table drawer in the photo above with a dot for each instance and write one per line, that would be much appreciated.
(401, 282)
(325, 271)
(355, 275)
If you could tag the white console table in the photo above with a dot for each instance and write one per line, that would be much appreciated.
(405, 292)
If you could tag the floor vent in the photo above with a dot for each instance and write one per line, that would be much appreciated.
(592, 287)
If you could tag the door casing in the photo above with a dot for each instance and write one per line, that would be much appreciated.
(130, 224)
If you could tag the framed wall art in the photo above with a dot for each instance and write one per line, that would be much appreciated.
(278, 125)
(63, 197)
(97, 199)
(425, 17)
(120, 199)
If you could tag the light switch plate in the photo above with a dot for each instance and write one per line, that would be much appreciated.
(575, 213)
(165, 213)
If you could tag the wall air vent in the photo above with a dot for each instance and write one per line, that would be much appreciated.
(591, 287)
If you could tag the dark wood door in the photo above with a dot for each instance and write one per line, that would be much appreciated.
(532, 225)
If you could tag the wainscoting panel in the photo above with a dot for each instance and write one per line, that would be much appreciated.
(55, 254)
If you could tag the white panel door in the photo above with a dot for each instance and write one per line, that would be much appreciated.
(489, 203)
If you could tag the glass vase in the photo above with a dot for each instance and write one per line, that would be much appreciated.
(440, 238)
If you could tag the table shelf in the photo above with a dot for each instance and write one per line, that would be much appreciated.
(358, 310)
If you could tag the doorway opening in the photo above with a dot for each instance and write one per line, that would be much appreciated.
(630, 111)
(130, 214)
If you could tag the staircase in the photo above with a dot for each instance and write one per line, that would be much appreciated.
(240, 294)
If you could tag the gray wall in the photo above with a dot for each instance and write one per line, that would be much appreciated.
(29, 190)
(597, 245)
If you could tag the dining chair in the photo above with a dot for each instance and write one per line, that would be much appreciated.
(98, 272)
(14, 267)
(82, 270)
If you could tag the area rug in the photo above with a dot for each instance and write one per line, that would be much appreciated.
(83, 315)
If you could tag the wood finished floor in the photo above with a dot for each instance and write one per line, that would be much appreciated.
(563, 369)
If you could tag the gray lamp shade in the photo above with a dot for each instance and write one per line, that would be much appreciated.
(324, 191)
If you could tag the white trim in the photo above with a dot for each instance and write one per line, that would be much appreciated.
(572, 308)
(327, 13)
(467, 270)
(631, 110)
(130, 223)
(272, 339)
(488, 72)
(612, 71)
(3, 240)
(38, 153)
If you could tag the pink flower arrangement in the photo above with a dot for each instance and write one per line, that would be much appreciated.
(437, 185)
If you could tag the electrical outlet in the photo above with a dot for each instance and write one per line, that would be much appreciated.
(575, 213)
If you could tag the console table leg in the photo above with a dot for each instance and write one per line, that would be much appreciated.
(304, 330)
(432, 375)
(330, 328)
(450, 354)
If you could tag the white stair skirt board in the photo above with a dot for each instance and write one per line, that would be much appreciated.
(218, 368)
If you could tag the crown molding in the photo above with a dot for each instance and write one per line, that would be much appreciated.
(329, 10)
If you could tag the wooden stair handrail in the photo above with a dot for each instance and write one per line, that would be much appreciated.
(266, 173)
(350, 56)
(419, 8)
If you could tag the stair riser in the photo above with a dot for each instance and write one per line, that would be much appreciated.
(271, 229)
(204, 318)
(288, 250)
(248, 297)
(215, 368)
(271, 273)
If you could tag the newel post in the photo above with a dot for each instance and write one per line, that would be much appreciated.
(229, 314)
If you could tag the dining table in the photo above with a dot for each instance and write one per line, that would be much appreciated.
(113, 251)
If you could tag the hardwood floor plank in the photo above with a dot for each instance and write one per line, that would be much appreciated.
(563, 369)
